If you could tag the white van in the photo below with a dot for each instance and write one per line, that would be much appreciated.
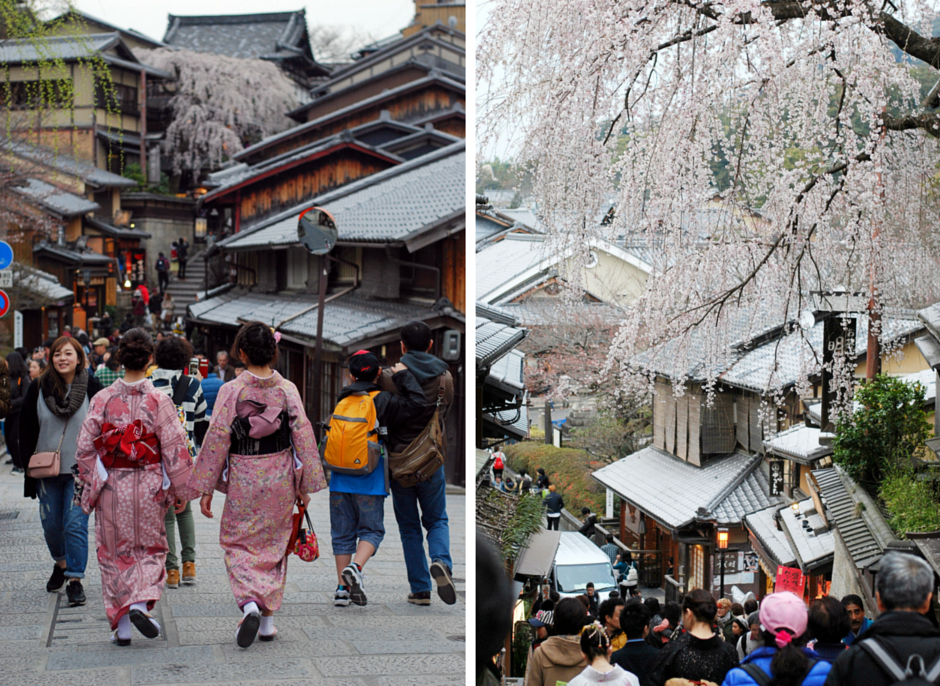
(577, 562)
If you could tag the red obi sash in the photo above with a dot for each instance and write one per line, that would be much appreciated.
(127, 447)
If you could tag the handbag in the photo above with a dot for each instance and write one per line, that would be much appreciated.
(303, 542)
(425, 454)
(44, 465)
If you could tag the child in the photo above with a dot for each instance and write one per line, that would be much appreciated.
(357, 502)
(595, 649)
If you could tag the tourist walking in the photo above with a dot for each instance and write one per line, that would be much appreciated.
(595, 649)
(223, 369)
(261, 451)
(423, 503)
(554, 504)
(168, 311)
(359, 483)
(858, 622)
(636, 656)
(904, 588)
(559, 657)
(134, 462)
(163, 272)
(609, 616)
(19, 383)
(55, 406)
(784, 658)
(828, 623)
(182, 256)
(701, 655)
(172, 357)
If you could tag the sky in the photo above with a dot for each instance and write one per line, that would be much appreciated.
(374, 18)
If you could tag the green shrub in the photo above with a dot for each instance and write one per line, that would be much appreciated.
(885, 433)
(570, 470)
(911, 503)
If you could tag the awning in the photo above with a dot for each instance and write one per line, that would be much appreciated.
(537, 558)
(800, 444)
(770, 542)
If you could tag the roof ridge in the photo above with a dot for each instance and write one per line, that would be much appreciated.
(255, 17)
(737, 481)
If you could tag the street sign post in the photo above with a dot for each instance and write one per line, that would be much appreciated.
(6, 279)
(316, 229)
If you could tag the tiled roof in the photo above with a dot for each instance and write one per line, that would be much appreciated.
(859, 538)
(56, 200)
(74, 47)
(671, 490)
(512, 423)
(772, 539)
(548, 311)
(116, 231)
(68, 164)
(346, 320)
(750, 495)
(494, 340)
(930, 316)
(508, 372)
(397, 205)
(274, 35)
(800, 443)
(41, 284)
(390, 95)
(926, 377)
(73, 257)
(814, 546)
(495, 313)
(505, 261)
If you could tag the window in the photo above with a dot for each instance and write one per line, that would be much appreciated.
(116, 97)
(33, 95)
(575, 578)
(296, 268)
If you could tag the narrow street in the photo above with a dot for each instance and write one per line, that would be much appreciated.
(387, 642)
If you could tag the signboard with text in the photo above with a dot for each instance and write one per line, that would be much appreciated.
(790, 579)
(776, 477)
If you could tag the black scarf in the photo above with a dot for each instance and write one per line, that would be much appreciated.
(65, 407)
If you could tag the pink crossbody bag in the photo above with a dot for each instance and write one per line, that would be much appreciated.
(44, 465)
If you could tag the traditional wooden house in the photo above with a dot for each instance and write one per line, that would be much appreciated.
(400, 257)
(502, 400)
(92, 118)
(76, 21)
(452, 13)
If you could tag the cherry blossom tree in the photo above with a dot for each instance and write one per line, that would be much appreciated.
(219, 104)
(812, 109)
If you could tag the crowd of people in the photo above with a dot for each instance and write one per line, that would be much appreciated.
(779, 640)
(131, 430)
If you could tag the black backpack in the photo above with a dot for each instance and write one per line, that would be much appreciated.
(915, 674)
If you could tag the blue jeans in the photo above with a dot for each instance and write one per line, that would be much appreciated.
(64, 524)
(353, 518)
(431, 498)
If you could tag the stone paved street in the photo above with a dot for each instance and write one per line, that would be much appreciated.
(387, 643)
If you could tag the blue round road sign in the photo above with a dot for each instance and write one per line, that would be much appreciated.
(4, 303)
(6, 255)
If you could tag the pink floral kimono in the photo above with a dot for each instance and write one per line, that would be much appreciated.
(261, 451)
(134, 460)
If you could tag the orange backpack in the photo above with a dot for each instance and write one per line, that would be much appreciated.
(351, 436)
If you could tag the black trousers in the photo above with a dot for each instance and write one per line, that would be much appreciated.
(12, 435)
(182, 273)
(553, 523)
(163, 280)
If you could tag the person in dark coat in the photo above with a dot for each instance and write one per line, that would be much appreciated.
(19, 382)
(904, 590)
(828, 624)
(554, 504)
(587, 527)
(541, 482)
(700, 654)
(636, 656)
(591, 595)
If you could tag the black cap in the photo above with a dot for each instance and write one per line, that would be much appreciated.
(364, 366)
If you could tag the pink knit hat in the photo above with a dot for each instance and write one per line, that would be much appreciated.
(783, 615)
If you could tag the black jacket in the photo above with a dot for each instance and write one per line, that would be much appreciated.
(29, 425)
(637, 657)
(554, 503)
(394, 411)
(588, 527)
(902, 634)
(695, 659)
(427, 370)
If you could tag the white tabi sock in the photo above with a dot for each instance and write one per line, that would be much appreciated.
(267, 626)
(248, 608)
(124, 628)
(143, 608)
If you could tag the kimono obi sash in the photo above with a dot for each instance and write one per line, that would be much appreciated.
(259, 430)
(127, 447)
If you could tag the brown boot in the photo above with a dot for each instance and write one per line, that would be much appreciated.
(189, 572)
(173, 578)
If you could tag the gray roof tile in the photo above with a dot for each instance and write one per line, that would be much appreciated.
(772, 539)
(247, 36)
(68, 164)
(55, 199)
(811, 548)
(494, 340)
(861, 542)
(800, 443)
(750, 495)
(391, 206)
(671, 490)
(508, 372)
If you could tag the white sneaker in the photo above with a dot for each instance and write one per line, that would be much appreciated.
(353, 578)
(341, 597)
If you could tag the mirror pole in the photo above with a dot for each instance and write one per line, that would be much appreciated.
(318, 351)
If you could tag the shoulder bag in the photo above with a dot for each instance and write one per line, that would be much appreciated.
(425, 454)
(44, 465)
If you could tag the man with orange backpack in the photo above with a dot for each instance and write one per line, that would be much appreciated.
(354, 451)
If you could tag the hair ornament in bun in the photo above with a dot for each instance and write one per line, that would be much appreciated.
(782, 638)
(277, 334)
(593, 628)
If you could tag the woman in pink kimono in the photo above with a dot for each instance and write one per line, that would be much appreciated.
(134, 462)
(261, 451)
